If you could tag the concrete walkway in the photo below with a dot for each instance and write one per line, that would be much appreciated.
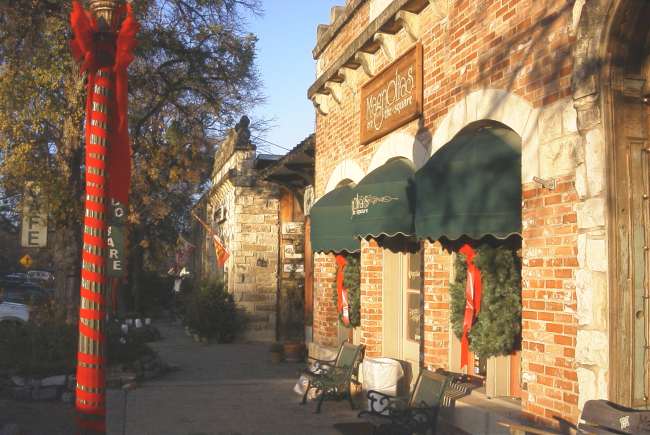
(220, 389)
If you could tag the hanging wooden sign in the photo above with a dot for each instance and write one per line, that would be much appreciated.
(116, 240)
(393, 97)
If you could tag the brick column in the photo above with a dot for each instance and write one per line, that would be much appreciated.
(325, 315)
(372, 258)
(437, 272)
(549, 324)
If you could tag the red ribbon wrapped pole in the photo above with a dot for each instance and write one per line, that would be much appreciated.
(104, 51)
(472, 301)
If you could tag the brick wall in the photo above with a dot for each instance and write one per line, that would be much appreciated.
(522, 47)
(549, 300)
(371, 297)
(437, 272)
(325, 315)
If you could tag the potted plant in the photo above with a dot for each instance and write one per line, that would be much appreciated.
(277, 352)
(294, 351)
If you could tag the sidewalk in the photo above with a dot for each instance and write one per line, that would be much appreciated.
(220, 389)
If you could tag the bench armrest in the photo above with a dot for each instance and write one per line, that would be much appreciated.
(322, 361)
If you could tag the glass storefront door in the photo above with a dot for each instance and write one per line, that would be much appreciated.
(402, 309)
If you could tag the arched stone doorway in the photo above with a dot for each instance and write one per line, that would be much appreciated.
(610, 81)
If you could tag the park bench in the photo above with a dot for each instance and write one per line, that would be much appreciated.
(332, 379)
(599, 417)
(419, 414)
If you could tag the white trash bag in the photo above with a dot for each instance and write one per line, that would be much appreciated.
(382, 375)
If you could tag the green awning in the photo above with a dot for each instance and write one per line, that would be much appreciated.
(382, 201)
(331, 223)
(471, 187)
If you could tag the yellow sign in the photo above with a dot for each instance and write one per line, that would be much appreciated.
(26, 261)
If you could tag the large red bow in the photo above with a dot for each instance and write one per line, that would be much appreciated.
(342, 292)
(117, 53)
(472, 301)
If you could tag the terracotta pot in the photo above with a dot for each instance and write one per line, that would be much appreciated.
(276, 357)
(294, 352)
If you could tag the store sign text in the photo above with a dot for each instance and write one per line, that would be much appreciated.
(393, 97)
(361, 204)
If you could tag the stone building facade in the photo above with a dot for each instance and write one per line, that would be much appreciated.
(243, 210)
(570, 78)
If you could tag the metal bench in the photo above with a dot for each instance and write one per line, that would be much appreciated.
(417, 415)
(332, 379)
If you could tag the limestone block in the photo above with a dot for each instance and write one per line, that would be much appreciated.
(582, 250)
(557, 157)
(597, 255)
(530, 166)
(581, 181)
(584, 296)
(528, 377)
(377, 7)
(603, 386)
(592, 348)
(599, 286)
(595, 161)
(550, 122)
(251, 218)
(586, 386)
(591, 213)
(457, 117)
(570, 118)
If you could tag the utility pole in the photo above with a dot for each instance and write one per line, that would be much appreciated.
(103, 41)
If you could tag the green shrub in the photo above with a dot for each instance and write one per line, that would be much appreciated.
(211, 312)
(44, 346)
(126, 349)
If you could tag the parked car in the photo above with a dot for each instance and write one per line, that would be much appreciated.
(42, 276)
(15, 278)
(13, 307)
(26, 292)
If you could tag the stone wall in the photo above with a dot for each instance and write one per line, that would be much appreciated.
(253, 263)
(243, 211)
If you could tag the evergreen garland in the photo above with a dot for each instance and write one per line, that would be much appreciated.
(457, 295)
(351, 282)
(497, 331)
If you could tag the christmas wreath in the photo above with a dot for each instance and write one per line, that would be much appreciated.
(497, 328)
(351, 283)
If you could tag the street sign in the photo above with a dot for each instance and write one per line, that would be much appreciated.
(34, 229)
(26, 261)
(115, 252)
(115, 241)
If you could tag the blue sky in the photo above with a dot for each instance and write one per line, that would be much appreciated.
(287, 35)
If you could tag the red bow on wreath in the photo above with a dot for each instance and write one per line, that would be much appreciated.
(116, 52)
(472, 301)
(342, 307)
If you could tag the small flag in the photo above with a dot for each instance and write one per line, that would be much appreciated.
(221, 251)
(220, 248)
